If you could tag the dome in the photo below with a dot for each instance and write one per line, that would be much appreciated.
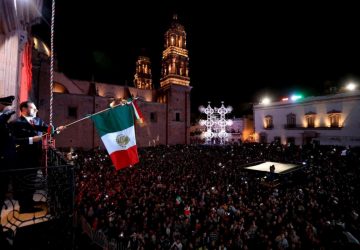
(176, 27)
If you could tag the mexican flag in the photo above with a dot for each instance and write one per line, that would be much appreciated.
(116, 129)
(178, 200)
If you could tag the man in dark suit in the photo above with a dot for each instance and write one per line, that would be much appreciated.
(28, 130)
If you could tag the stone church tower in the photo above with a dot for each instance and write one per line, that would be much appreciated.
(143, 77)
(175, 58)
(175, 84)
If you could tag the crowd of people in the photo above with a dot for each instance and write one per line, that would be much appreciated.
(201, 197)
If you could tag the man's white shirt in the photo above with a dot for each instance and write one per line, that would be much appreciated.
(29, 119)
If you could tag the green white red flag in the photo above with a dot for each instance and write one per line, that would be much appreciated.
(117, 131)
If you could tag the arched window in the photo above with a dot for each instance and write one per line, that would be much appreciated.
(334, 118)
(291, 120)
(268, 124)
(310, 119)
(180, 42)
(263, 137)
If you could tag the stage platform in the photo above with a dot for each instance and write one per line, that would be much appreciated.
(280, 168)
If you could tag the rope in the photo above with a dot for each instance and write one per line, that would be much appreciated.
(52, 61)
(49, 140)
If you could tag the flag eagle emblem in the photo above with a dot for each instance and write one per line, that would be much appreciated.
(122, 140)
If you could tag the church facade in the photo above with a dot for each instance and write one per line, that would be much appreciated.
(166, 110)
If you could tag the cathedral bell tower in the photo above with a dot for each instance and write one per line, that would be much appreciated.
(175, 84)
(143, 77)
(175, 58)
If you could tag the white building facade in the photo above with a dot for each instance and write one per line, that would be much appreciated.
(327, 120)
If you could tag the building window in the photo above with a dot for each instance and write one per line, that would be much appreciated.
(72, 112)
(263, 138)
(153, 117)
(334, 120)
(310, 120)
(177, 116)
(291, 120)
(268, 122)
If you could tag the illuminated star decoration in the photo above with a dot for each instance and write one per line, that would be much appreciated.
(216, 123)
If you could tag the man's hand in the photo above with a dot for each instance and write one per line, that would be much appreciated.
(60, 128)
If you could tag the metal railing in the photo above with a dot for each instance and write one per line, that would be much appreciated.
(51, 193)
(99, 238)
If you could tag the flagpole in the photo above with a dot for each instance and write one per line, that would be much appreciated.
(89, 116)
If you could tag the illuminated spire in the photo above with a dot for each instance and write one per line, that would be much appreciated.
(175, 59)
(143, 77)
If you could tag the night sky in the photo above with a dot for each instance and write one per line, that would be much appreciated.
(258, 49)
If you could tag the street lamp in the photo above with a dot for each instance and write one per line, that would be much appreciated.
(351, 86)
(265, 101)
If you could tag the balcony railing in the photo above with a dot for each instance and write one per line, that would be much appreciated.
(52, 192)
(298, 127)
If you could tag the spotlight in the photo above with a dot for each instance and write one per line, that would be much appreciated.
(296, 97)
